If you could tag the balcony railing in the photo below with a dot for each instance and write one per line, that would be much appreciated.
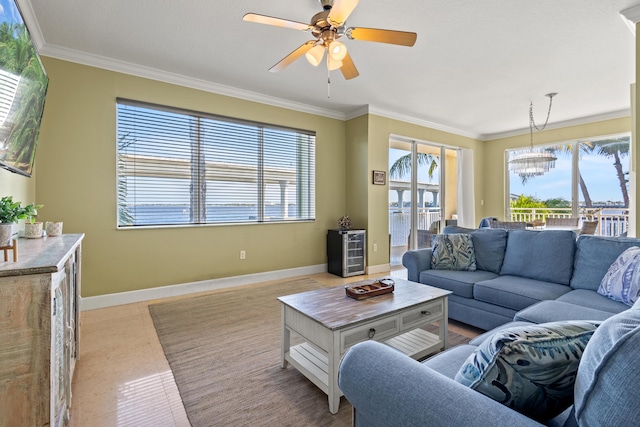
(611, 221)
(400, 222)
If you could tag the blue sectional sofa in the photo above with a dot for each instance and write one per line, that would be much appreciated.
(535, 276)
(388, 388)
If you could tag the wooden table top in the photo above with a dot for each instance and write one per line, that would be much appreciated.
(334, 309)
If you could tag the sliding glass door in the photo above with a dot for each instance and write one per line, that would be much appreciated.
(422, 193)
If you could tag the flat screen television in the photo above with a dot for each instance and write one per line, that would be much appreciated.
(23, 89)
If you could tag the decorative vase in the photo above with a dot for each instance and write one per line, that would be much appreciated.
(6, 232)
(53, 229)
(33, 231)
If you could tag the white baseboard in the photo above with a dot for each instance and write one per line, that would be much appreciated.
(109, 300)
(377, 269)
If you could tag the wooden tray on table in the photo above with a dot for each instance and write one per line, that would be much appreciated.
(368, 290)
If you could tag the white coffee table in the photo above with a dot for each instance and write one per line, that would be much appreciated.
(331, 323)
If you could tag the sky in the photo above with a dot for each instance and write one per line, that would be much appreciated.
(598, 173)
(8, 12)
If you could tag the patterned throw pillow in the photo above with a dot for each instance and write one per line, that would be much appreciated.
(453, 252)
(622, 281)
(530, 368)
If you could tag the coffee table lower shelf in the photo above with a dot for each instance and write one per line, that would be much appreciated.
(314, 363)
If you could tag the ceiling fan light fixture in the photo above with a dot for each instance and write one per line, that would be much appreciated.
(337, 50)
(315, 55)
(332, 64)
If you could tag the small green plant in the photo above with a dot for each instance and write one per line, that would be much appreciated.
(11, 212)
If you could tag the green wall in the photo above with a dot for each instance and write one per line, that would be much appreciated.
(76, 164)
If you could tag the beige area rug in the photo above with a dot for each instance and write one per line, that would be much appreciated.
(224, 351)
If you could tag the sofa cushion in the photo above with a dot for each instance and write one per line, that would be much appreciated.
(458, 282)
(592, 299)
(542, 255)
(622, 281)
(529, 368)
(449, 361)
(606, 389)
(594, 256)
(554, 311)
(488, 334)
(517, 292)
(489, 245)
(453, 252)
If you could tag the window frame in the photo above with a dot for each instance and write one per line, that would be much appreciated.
(304, 169)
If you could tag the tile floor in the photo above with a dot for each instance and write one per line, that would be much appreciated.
(123, 378)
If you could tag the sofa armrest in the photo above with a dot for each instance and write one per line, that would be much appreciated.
(388, 388)
(416, 261)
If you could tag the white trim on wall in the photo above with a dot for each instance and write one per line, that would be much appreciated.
(102, 301)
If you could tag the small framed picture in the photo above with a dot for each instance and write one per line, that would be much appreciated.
(379, 177)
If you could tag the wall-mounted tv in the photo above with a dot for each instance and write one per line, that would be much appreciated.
(23, 88)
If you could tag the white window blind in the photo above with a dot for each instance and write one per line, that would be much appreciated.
(183, 167)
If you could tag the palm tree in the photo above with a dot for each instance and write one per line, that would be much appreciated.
(402, 167)
(616, 148)
(19, 57)
(584, 147)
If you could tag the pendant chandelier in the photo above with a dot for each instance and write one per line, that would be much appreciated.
(533, 162)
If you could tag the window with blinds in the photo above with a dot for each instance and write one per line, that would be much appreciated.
(182, 167)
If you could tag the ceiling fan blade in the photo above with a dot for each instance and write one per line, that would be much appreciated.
(403, 38)
(340, 11)
(349, 70)
(277, 22)
(287, 60)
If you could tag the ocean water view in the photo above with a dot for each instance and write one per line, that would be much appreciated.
(180, 214)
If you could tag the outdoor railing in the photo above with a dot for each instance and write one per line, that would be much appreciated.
(400, 223)
(611, 221)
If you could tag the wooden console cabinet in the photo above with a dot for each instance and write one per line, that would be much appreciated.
(39, 331)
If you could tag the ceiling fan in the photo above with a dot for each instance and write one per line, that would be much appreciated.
(327, 27)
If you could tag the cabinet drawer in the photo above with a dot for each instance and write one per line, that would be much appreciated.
(422, 314)
(377, 330)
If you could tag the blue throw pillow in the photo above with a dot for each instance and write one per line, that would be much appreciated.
(622, 281)
(530, 368)
(453, 252)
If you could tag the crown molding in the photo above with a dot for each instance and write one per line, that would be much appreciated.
(631, 16)
(361, 111)
(180, 80)
(558, 125)
(422, 122)
(111, 64)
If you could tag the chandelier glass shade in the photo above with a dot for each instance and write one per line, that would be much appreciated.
(533, 162)
(530, 163)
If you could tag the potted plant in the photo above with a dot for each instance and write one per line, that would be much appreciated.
(10, 213)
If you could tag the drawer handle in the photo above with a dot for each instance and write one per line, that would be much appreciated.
(372, 332)
(425, 312)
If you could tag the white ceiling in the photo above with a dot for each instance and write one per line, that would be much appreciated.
(474, 69)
